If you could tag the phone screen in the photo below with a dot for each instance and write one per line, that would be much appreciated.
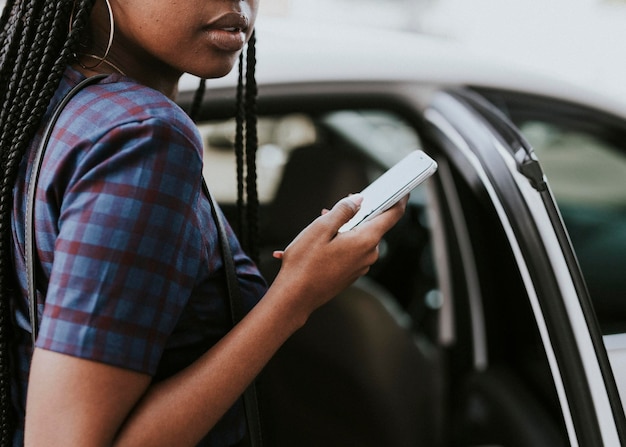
(391, 186)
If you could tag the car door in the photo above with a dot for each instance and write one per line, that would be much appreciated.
(479, 330)
(583, 150)
(511, 270)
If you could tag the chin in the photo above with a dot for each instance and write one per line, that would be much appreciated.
(218, 74)
(217, 69)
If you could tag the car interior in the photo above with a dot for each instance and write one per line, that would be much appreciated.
(424, 350)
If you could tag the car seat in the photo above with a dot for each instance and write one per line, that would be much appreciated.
(355, 375)
(315, 176)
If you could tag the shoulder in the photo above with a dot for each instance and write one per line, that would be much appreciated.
(115, 102)
(118, 131)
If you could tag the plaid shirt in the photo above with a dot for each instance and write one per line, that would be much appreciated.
(131, 273)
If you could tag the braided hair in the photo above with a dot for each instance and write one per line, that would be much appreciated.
(246, 121)
(246, 143)
(38, 39)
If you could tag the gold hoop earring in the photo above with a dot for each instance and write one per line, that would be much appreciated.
(109, 43)
(70, 25)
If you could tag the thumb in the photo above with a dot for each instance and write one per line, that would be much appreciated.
(343, 211)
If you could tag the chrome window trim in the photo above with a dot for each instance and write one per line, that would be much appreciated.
(481, 356)
(446, 333)
(615, 345)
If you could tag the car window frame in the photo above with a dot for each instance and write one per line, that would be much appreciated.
(470, 113)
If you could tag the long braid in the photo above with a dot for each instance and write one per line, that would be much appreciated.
(36, 45)
(6, 13)
(198, 97)
(245, 150)
(251, 149)
(8, 22)
(239, 152)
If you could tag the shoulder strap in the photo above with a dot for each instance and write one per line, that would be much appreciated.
(250, 399)
(30, 248)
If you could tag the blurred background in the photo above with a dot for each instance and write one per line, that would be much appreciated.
(581, 41)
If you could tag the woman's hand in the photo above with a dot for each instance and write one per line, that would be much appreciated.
(321, 262)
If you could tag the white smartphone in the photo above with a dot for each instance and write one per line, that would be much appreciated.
(390, 187)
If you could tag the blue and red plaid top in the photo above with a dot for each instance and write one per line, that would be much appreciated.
(130, 268)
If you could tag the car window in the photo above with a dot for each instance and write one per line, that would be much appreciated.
(378, 135)
(455, 327)
(583, 154)
(583, 170)
(277, 137)
(588, 178)
(308, 162)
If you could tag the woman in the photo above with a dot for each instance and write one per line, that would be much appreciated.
(134, 345)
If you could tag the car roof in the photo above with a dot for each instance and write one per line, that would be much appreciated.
(296, 51)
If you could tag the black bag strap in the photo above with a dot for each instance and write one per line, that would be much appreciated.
(234, 295)
(30, 248)
(237, 312)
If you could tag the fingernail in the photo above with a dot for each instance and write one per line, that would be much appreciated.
(357, 199)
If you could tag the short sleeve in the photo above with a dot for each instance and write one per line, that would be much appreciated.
(124, 262)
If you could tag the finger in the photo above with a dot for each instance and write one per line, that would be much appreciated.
(385, 221)
(278, 254)
(343, 211)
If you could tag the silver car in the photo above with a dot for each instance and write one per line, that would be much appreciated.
(496, 315)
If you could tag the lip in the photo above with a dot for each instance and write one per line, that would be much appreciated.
(228, 31)
(230, 20)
